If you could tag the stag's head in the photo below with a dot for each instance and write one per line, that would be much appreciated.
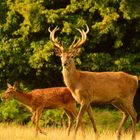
(10, 91)
(74, 49)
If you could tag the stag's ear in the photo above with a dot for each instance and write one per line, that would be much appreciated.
(57, 51)
(8, 85)
(74, 51)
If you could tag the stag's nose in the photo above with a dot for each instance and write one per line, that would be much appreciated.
(65, 64)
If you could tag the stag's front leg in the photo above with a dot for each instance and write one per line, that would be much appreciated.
(79, 118)
(75, 114)
(89, 111)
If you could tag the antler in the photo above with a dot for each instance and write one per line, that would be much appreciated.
(53, 39)
(83, 38)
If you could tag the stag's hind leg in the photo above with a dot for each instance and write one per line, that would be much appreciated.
(133, 115)
(128, 109)
(124, 119)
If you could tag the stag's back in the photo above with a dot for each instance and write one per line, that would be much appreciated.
(102, 87)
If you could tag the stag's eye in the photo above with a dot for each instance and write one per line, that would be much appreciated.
(71, 56)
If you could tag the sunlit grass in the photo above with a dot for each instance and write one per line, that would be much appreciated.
(17, 132)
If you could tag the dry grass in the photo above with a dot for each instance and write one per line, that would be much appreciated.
(14, 132)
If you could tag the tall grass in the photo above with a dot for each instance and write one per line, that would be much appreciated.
(17, 132)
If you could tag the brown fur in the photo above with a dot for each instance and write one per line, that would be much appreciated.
(116, 88)
(50, 98)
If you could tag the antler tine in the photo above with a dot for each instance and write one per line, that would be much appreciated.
(53, 39)
(52, 33)
(87, 29)
(83, 39)
(49, 29)
(73, 42)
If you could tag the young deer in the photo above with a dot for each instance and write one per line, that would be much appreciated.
(116, 88)
(49, 98)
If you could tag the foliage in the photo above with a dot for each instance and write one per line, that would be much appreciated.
(26, 53)
(12, 112)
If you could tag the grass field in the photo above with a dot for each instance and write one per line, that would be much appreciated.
(16, 132)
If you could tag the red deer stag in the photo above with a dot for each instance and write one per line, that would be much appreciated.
(116, 88)
(49, 98)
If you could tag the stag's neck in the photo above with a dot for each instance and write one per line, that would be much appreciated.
(22, 97)
(70, 76)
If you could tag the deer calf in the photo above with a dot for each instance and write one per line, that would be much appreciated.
(116, 88)
(49, 98)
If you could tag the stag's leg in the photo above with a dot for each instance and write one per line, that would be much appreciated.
(72, 109)
(79, 117)
(90, 114)
(124, 119)
(75, 114)
(133, 115)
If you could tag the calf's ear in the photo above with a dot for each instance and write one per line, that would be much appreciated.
(8, 85)
(16, 85)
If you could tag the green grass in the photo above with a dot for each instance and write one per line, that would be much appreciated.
(106, 119)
